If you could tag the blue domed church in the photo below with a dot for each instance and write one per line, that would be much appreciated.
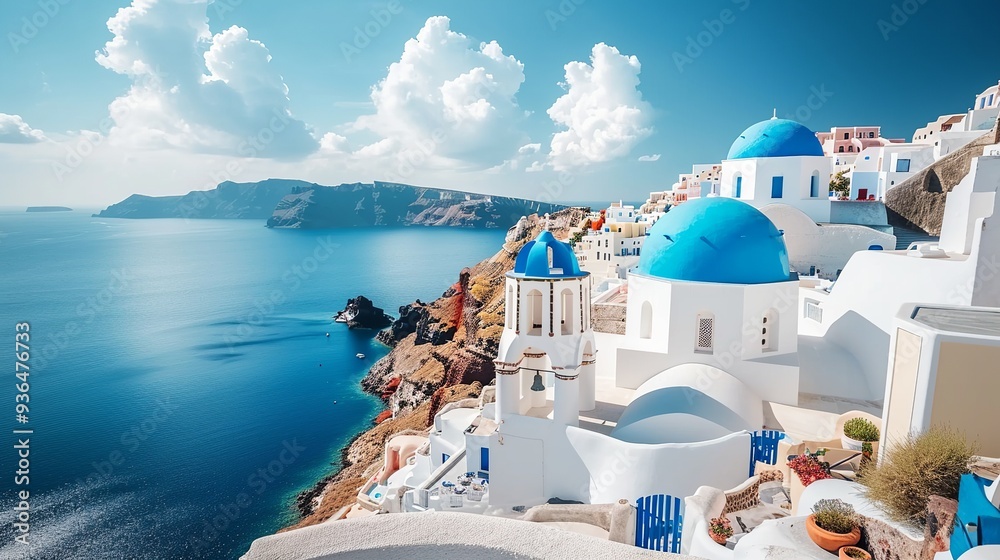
(713, 289)
(779, 161)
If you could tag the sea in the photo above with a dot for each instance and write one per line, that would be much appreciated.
(185, 377)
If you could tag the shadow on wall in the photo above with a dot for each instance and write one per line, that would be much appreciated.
(868, 344)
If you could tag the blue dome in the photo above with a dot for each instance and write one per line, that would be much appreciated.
(717, 239)
(775, 138)
(533, 259)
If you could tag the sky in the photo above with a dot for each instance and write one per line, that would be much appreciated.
(557, 100)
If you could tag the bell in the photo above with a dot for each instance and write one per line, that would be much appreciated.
(538, 385)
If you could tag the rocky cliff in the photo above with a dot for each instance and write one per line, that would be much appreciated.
(442, 352)
(227, 201)
(919, 201)
(392, 204)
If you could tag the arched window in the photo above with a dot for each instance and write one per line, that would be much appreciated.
(769, 331)
(814, 184)
(841, 150)
(646, 320)
(534, 312)
(705, 334)
(738, 186)
(568, 311)
(871, 135)
(850, 148)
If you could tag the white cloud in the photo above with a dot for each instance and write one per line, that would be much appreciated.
(529, 149)
(535, 167)
(649, 157)
(602, 110)
(450, 100)
(331, 142)
(13, 130)
(228, 99)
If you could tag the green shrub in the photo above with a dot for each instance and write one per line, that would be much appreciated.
(916, 468)
(861, 429)
(835, 516)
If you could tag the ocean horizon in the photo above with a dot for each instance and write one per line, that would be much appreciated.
(183, 389)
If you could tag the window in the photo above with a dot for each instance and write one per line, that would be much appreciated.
(814, 185)
(739, 186)
(871, 135)
(511, 302)
(567, 311)
(484, 459)
(445, 457)
(902, 166)
(777, 185)
(847, 135)
(534, 312)
(850, 148)
(841, 150)
(705, 336)
(813, 311)
(646, 320)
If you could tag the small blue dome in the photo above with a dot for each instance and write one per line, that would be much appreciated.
(533, 259)
(720, 240)
(775, 138)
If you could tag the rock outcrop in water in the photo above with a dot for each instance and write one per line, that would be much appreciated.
(442, 352)
(227, 201)
(361, 313)
(392, 204)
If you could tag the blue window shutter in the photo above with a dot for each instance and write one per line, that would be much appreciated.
(739, 187)
(777, 184)
(484, 459)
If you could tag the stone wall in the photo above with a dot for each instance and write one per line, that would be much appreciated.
(608, 318)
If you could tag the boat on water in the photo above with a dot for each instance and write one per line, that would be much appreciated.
(360, 356)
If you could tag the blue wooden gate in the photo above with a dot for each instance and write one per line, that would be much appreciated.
(764, 447)
(658, 523)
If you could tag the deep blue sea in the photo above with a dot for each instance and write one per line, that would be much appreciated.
(180, 376)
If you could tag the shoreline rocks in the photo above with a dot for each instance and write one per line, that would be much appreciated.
(361, 313)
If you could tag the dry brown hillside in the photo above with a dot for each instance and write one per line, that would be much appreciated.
(919, 201)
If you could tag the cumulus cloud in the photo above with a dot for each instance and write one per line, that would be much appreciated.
(197, 91)
(603, 110)
(448, 99)
(13, 130)
(649, 157)
(331, 142)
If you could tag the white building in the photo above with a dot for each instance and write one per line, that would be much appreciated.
(878, 169)
(613, 244)
(779, 161)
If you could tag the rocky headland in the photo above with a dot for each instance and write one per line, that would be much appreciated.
(442, 351)
(228, 200)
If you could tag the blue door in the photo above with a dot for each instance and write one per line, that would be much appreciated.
(739, 186)
(658, 523)
(777, 185)
(484, 459)
(814, 187)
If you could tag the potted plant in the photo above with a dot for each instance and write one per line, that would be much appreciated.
(833, 524)
(719, 529)
(806, 469)
(857, 432)
(854, 553)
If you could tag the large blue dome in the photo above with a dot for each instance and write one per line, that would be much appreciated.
(720, 240)
(775, 138)
(533, 259)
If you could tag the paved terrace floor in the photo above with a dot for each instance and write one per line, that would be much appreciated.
(610, 404)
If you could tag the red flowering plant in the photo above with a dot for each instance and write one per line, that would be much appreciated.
(809, 467)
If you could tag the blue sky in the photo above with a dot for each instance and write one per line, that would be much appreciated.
(168, 101)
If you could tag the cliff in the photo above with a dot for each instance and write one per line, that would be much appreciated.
(442, 352)
(392, 204)
(227, 201)
(919, 201)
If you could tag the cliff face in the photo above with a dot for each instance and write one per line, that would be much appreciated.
(391, 204)
(919, 201)
(228, 200)
(361, 313)
(443, 351)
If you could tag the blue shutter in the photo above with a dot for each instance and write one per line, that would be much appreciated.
(777, 184)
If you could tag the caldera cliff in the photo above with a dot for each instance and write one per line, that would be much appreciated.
(442, 351)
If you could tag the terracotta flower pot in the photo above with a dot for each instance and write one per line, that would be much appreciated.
(718, 538)
(864, 553)
(828, 541)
